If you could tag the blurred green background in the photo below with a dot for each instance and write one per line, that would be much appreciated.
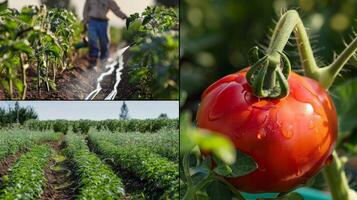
(217, 34)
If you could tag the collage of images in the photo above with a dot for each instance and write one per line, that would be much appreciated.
(178, 100)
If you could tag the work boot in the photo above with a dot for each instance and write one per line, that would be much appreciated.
(92, 61)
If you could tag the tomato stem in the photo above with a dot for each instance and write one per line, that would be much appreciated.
(327, 75)
(336, 179)
(282, 33)
(231, 187)
(266, 75)
(191, 191)
(290, 22)
(186, 168)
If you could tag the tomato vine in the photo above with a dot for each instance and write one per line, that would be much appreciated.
(208, 161)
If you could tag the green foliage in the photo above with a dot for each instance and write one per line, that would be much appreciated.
(153, 64)
(159, 171)
(36, 37)
(9, 116)
(346, 103)
(84, 126)
(133, 125)
(165, 142)
(14, 140)
(242, 166)
(27, 178)
(61, 126)
(97, 180)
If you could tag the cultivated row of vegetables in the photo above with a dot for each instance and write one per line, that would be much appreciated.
(27, 176)
(12, 141)
(100, 160)
(158, 171)
(167, 138)
(96, 179)
(36, 40)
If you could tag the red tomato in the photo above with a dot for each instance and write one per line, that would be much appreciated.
(290, 139)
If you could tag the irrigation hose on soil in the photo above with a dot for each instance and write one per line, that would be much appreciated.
(111, 66)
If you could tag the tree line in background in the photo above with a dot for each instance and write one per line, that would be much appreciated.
(16, 114)
(19, 115)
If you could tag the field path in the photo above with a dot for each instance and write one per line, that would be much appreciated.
(61, 183)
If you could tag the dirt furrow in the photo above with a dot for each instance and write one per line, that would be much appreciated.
(61, 182)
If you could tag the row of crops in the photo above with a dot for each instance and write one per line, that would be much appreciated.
(98, 181)
(12, 141)
(99, 161)
(35, 39)
(167, 138)
(83, 126)
(158, 171)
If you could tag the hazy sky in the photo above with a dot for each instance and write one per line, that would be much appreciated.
(127, 6)
(99, 110)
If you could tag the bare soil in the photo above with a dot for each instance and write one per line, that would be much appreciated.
(61, 184)
(76, 83)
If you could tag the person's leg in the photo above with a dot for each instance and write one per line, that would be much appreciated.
(93, 41)
(104, 40)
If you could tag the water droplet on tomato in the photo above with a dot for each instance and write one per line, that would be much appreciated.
(288, 131)
(247, 97)
(309, 109)
(329, 160)
(261, 134)
(298, 172)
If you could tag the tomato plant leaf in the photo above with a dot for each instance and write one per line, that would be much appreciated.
(23, 46)
(218, 191)
(345, 98)
(221, 146)
(56, 50)
(19, 85)
(243, 165)
(132, 18)
(146, 20)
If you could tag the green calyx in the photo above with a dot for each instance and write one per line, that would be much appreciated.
(268, 75)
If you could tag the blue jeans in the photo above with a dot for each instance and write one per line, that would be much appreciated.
(98, 33)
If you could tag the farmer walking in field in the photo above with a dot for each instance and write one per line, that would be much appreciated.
(95, 15)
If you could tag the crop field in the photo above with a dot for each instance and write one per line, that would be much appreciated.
(43, 50)
(90, 160)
